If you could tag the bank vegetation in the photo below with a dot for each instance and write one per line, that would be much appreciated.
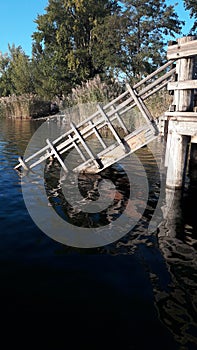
(85, 51)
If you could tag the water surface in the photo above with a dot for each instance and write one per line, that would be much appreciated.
(136, 293)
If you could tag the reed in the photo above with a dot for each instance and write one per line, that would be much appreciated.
(26, 106)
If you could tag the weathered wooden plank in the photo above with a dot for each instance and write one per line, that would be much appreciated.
(122, 124)
(98, 135)
(157, 81)
(183, 99)
(181, 114)
(113, 154)
(183, 127)
(182, 85)
(113, 130)
(142, 107)
(150, 76)
(143, 97)
(186, 49)
(93, 157)
(78, 149)
(54, 151)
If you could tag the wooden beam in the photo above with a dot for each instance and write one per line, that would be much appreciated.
(157, 81)
(111, 127)
(186, 49)
(120, 120)
(54, 151)
(182, 127)
(142, 107)
(77, 148)
(183, 99)
(181, 114)
(93, 157)
(182, 85)
(22, 163)
(98, 135)
(156, 72)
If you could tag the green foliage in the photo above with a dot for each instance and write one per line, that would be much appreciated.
(147, 23)
(21, 72)
(65, 46)
(191, 5)
(15, 73)
(78, 40)
(5, 76)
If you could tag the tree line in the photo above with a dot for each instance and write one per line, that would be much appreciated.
(77, 40)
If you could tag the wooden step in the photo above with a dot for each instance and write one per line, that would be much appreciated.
(115, 153)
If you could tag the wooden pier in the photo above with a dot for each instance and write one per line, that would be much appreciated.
(179, 75)
(181, 118)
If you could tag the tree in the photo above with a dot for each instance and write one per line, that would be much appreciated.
(21, 71)
(15, 72)
(191, 5)
(5, 79)
(66, 45)
(147, 23)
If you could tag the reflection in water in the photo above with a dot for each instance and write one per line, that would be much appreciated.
(177, 307)
(168, 255)
(143, 165)
(173, 271)
(21, 130)
(110, 207)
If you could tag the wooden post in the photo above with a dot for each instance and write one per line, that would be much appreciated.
(185, 67)
(177, 144)
(177, 160)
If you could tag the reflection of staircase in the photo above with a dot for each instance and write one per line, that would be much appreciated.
(77, 137)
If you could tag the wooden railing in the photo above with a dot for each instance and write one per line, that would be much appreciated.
(104, 117)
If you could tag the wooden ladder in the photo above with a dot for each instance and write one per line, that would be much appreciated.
(78, 135)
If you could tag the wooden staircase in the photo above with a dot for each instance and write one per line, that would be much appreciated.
(78, 135)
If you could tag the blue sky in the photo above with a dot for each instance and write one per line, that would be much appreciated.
(17, 21)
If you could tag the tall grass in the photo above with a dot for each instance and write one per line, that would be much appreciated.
(94, 90)
(25, 106)
(81, 102)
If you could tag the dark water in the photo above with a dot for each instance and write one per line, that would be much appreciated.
(137, 293)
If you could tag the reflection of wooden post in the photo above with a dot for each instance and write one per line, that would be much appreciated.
(177, 144)
(172, 213)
